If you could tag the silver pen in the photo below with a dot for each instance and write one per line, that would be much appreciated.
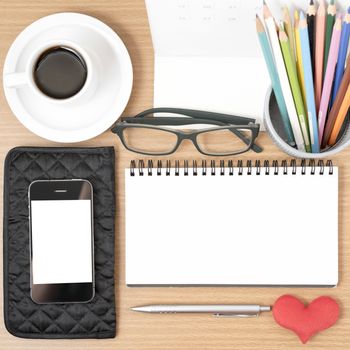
(216, 310)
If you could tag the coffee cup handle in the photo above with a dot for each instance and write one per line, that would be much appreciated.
(15, 79)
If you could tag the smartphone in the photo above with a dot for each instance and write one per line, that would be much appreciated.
(61, 241)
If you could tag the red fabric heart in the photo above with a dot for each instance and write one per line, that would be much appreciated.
(305, 320)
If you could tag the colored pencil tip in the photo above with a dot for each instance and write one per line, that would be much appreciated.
(296, 15)
(338, 22)
(331, 2)
(312, 2)
(266, 11)
(301, 16)
(282, 35)
(349, 9)
(259, 25)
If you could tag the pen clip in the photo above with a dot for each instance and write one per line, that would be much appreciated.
(227, 315)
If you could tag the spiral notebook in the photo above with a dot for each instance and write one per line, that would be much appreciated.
(246, 224)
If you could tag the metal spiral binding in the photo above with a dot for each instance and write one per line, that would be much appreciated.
(312, 166)
(150, 168)
(222, 167)
(293, 165)
(329, 164)
(132, 168)
(249, 167)
(275, 167)
(204, 167)
(213, 167)
(194, 168)
(159, 168)
(186, 167)
(285, 167)
(256, 169)
(230, 167)
(168, 167)
(240, 167)
(267, 167)
(141, 166)
(321, 165)
(177, 167)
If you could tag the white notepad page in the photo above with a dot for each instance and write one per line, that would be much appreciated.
(232, 229)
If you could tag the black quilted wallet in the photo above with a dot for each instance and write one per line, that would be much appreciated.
(24, 318)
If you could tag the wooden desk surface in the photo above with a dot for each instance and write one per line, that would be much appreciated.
(139, 331)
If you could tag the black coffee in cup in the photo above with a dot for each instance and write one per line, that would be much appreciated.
(60, 72)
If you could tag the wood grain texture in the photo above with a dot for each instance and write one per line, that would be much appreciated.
(139, 331)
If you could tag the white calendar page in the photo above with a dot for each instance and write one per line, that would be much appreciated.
(207, 54)
(213, 28)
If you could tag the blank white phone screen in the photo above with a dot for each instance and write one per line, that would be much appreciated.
(61, 241)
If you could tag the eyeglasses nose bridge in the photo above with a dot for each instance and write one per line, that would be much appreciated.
(185, 136)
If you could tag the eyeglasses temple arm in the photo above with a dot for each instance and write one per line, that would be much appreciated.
(225, 118)
(170, 121)
(254, 147)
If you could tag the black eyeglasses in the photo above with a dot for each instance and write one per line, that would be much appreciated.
(151, 135)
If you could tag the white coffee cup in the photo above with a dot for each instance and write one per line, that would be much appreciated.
(26, 77)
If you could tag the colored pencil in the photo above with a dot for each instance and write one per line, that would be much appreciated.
(328, 79)
(343, 111)
(344, 127)
(298, 56)
(337, 103)
(330, 19)
(282, 73)
(311, 14)
(309, 86)
(319, 51)
(343, 49)
(294, 83)
(289, 29)
(275, 82)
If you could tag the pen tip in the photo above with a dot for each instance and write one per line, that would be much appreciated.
(145, 308)
(136, 308)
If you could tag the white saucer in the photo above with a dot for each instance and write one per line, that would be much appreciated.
(59, 121)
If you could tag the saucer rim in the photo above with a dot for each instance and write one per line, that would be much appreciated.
(28, 120)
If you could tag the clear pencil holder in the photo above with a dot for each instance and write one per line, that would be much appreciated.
(274, 127)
